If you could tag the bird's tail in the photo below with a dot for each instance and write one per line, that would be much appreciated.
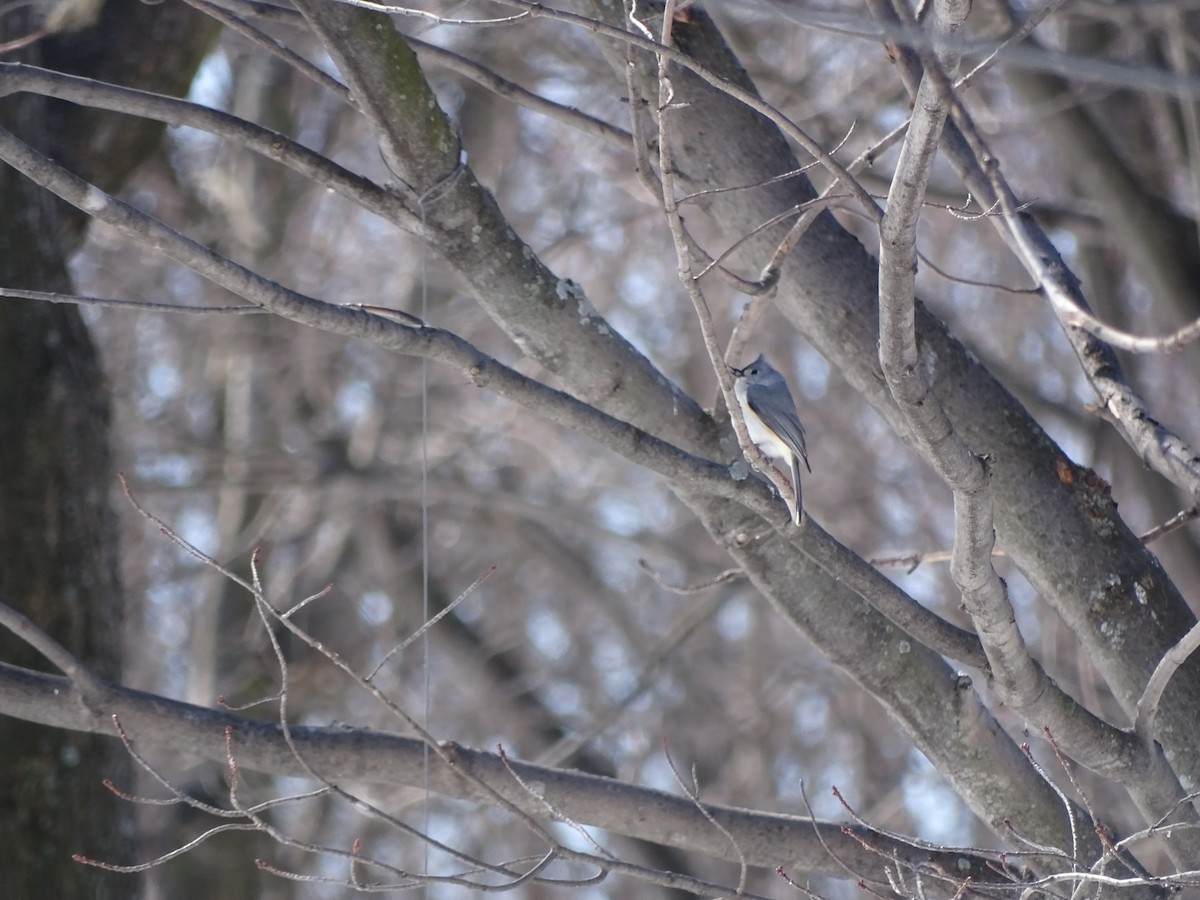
(798, 512)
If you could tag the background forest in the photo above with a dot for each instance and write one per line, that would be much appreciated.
(368, 485)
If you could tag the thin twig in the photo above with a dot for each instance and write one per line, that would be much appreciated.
(433, 620)
(513, 92)
(136, 305)
(692, 788)
(681, 629)
(1172, 524)
(912, 560)
(276, 48)
(688, 589)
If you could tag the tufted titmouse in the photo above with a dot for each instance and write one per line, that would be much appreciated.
(771, 419)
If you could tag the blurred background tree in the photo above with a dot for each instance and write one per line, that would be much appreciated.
(400, 483)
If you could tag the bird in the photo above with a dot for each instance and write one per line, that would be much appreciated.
(771, 419)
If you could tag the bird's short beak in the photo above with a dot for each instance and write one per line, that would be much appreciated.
(736, 373)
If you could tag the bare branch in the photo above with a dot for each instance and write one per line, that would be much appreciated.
(682, 629)
(134, 305)
(898, 356)
(17, 77)
(1162, 449)
(375, 757)
(692, 787)
(879, 591)
(91, 689)
(669, 54)
(263, 11)
(1024, 30)
(1147, 705)
(686, 590)
(433, 620)
(1174, 523)
(512, 91)
(433, 343)
(275, 48)
(1088, 69)
(1019, 680)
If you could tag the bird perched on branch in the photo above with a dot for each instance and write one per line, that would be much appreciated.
(771, 419)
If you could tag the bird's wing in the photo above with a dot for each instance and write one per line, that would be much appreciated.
(778, 413)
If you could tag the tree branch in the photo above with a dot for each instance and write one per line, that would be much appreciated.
(18, 77)
(514, 93)
(358, 755)
(1091, 590)
(1019, 681)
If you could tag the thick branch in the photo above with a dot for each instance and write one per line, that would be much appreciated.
(548, 317)
(829, 288)
(434, 343)
(353, 755)
(1020, 682)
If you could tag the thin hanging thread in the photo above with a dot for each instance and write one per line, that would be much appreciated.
(433, 190)
(425, 527)
(432, 194)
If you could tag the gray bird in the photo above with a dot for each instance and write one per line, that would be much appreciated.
(771, 419)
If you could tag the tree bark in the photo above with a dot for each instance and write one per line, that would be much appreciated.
(58, 530)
